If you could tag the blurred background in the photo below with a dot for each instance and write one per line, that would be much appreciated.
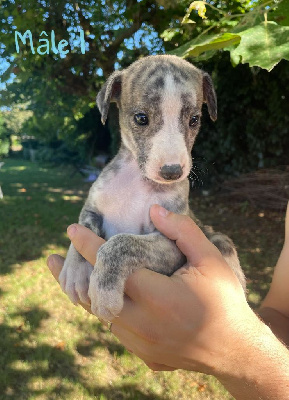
(53, 145)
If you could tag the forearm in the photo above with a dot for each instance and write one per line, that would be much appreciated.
(275, 308)
(260, 370)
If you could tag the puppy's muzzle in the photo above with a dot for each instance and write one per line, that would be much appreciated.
(171, 172)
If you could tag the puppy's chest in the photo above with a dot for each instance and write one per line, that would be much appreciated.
(124, 201)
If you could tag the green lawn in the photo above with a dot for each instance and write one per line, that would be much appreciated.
(51, 349)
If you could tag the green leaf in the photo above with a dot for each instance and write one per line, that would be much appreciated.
(281, 14)
(205, 43)
(263, 45)
(249, 20)
(200, 7)
(190, 21)
(168, 34)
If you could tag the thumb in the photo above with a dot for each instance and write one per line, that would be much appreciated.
(85, 241)
(188, 236)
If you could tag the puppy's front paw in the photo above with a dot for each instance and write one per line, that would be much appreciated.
(74, 280)
(106, 288)
(106, 302)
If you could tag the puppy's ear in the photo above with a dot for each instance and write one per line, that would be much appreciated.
(109, 92)
(210, 96)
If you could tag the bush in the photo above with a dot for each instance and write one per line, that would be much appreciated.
(4, 147)
(252, 130)
(58, 153)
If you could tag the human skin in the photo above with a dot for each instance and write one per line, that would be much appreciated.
(197, 319)
(275, 307)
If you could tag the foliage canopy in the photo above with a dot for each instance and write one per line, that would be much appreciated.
(60, 90)
(258, 35)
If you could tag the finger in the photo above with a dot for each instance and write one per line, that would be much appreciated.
(144, 285)
(188, 236)
(55, 264)
(135, 345)
(85, 241)
(133, 318)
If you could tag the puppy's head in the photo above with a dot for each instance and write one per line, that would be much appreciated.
(160, 100)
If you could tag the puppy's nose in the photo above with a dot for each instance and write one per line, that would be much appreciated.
(171, 172)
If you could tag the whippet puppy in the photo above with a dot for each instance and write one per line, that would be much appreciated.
(160, 100)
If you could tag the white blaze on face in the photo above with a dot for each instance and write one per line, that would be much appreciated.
(168, 145)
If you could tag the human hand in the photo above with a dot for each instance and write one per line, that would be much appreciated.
(199, 300)
(87, 242)
(198, 319)
(189, 320)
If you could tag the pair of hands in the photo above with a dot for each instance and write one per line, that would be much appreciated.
(161, 314)
(197, 319)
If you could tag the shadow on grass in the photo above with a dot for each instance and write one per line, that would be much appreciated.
(23, 360)
(29, 368)
(129, 391)
(38, 205)
(87, 346)
(123, 392)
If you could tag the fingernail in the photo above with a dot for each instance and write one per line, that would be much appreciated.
(163, 212)
(71, 230)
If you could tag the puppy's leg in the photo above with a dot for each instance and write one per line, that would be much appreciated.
(118, 258)
(229, 252)
(225, 245)
(76, 271)
(74, 276)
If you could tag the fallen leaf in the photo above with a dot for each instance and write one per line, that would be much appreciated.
(19, 328)
(60, 346)
(201, 387)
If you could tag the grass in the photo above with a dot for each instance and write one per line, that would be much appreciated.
(51, 349)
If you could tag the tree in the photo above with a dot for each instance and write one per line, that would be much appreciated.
(4, 142)
(252, 129)
(61, 90)
(258, 36)
(12, 121)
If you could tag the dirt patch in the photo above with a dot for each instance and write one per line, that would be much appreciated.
(258, 234)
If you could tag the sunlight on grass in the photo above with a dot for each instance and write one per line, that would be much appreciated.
(18, 168)
(20, 366)
(51, 199)
(71, 198)
(15, 184)
(254, 298)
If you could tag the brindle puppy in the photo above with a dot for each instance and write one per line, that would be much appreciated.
(160, 100)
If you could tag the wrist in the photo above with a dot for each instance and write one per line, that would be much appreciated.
(257, 366)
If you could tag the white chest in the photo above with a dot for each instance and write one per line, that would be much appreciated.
(124, 200)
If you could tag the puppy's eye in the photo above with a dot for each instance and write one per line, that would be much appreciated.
(194, 121)
(141, 119)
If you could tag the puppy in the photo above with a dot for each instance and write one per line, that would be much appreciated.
(160, 100)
